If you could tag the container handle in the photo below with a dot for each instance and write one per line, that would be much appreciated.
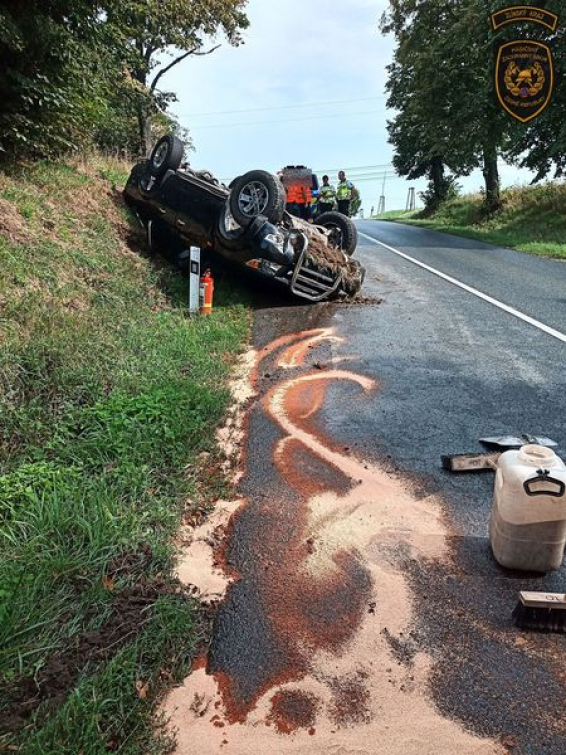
(543, 475)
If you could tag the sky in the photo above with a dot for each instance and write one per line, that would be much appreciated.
(306, 87)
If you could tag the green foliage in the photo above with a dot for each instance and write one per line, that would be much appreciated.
(108, 393)
(443, 190)
(74, 74)
(441, 83)
(541, 144)
(105, 711)
(160, 36)
(531, 219)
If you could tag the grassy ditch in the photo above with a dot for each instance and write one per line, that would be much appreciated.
(110, 396)
(532, 219)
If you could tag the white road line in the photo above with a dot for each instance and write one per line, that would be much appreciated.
(510, 310)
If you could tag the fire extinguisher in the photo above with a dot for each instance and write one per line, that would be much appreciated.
(206, 293)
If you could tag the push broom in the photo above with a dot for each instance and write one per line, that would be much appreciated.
(541, 612)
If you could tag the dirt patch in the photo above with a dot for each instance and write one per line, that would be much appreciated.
(360, 299)
(351, 702)
(128, 614)
(12, 224)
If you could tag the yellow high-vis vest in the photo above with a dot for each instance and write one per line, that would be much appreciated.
(344, 191)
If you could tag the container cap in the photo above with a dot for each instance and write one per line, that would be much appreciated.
(537, 456)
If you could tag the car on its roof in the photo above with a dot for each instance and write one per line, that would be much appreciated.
(244, 223)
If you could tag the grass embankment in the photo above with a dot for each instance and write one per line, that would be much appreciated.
(108, 395)
(531, 219)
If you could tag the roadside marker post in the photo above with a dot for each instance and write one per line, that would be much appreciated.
(194, 281)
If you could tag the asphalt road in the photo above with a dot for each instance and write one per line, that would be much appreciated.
(451, 367)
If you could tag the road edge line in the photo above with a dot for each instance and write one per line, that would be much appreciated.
(474, 291)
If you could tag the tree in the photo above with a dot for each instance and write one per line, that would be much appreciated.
(47, 53)
(441, 83)
(540, 145)
(158, 36)
(79, 72)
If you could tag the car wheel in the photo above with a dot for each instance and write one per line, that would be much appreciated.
(257, 193)
(343, 232)
(147, 181)
(166, 155)
(228, 233)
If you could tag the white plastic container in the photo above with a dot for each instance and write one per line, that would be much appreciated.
(527, 529)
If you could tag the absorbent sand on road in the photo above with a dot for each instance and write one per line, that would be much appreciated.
(333, 594)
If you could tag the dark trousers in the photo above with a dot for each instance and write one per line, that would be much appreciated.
(344, 206)
(293, 208)
(324, 207)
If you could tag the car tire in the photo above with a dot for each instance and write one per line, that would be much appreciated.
(166, 155)
(232, 239)
(257, 193)
(344, 227)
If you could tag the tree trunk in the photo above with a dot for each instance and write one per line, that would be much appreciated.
(437, 178)
(491, 177)
(144, 129)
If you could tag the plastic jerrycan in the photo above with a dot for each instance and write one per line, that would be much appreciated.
(527, 529)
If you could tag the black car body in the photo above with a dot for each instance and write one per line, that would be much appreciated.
(245, 224)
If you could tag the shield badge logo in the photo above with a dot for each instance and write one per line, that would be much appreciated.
(524, 78)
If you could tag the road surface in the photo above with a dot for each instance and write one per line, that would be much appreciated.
(368, 615)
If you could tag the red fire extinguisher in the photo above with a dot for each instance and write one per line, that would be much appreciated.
(206, 293)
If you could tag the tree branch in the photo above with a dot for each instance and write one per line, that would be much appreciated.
(194, 51)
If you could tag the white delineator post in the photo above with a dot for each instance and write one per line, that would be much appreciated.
(194, 281)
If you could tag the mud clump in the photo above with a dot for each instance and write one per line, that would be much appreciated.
(292, 710)
(322, 256)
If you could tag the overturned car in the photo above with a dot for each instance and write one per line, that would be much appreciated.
(244, 223)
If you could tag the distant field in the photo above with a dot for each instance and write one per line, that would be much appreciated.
(532, 219)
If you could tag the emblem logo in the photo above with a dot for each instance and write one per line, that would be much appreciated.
(521, 13)
(524, 78)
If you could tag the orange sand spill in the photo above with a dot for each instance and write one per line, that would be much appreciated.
(367, 702)
(295, 356)
(230, 436)
(196, 562)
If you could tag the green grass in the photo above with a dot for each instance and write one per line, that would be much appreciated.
(108, 394)
(397, 215)
(532, 219)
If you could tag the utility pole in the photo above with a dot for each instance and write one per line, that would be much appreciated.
(381, 206)
(411, 204)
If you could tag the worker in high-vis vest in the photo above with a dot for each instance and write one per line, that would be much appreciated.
(344, 193)
(294, 200)
(307, 201)
(327, 196)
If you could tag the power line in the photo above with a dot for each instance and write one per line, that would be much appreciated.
(284, 120)
(353, 176)
(356, 168)
(279, 107)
